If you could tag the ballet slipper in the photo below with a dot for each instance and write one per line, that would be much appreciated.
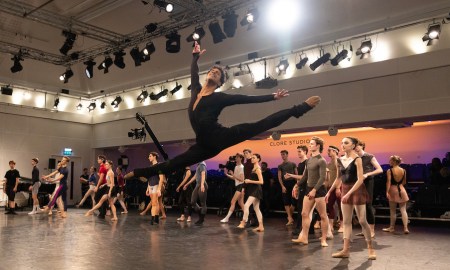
(63, 215)
(259, 229)
(341, 254)
(290, 222)
(50, 213)
(341, 229)
(88, 213)
(242, 225)
(388, 229)
(180, 219)
(162, 217)
(188, 219)
(323, 243)
(372, 255)
(298, 241)
(405, 231)
(142, 213)
(124, 212)
(114, 219)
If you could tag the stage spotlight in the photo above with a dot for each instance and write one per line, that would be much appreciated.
(142, 96)
(250, 18)
(302, 62)
(92, 106)
(176, 88)
(282, 66)
(173, 42)
(432, 35)
(216, 32)
(17, 66)
(105, 64)
(68, 44)
(322, 60)
(198, 34)
(118, 59)
(339, 57)
(66, 75)
(103, 105)
(137, 56)
(137, 134)
(148, 50)
(168, 7)
(151, 27)
(56, 103)
(364, 50)
(159, 95)
(89, 68)
(189, 87)
(230, 23)
(79, 106)
(116, 102)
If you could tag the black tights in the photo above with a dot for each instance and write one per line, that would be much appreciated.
(370, 211)
(211, 142)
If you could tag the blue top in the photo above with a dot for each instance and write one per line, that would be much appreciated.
(65, 172)
(93, 179)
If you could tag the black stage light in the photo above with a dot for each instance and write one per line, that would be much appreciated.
(105, 64)
(56, 103)
(339, 57)
(118, 59)
(282, 66)
(66, 75)
(198, 34)
(302, 62)
(168, 7)
(322, 60)
(159, 95)
(250, 18)
(137, 56)
(189, 87)
(173, 42)
(432, 35)
(148, 50)
(116, 102)
(230, 23)
(176, 88)
(79, 106)
(151, 27)
(216, 32)
(364, 50)
(89, 68)
(17, 66)
(103, 105)
(68, 44)
(92, 106)
(142, 96)
(7, 90)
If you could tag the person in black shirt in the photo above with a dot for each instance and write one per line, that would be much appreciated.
(12, 180)
(267, 187)
(84, 180)
(204, 109)
(35, 187)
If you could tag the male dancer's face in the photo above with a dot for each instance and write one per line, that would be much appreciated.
(247, 155)
(33, 163)
(359, 149)
(284, 156)
(214, 76)
(331, 153)
(313, 146)
(12, 165)
(301, 153)
(151, 158)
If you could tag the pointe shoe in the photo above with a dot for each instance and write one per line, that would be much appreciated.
(124, 212)
(298, 241)
(242, 225)
(180, 219)
(225, 220)
(372, 255)
(290, 222)
(341, 254)
(188, 219)
(142, 213)
(388, 229)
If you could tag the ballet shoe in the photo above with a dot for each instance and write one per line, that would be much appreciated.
(298, 241)
(341, 230)
(63, 215)
(162, 217)
(323, 244)
(290, 222)
(114, 219)
(258, 229)
(406, 231)
(388, 229)
(88, 213)
(341, 254)
(180, 219)
(242, 225)
(142, 213)
(359, 234)
(372, 255)
(188, 219)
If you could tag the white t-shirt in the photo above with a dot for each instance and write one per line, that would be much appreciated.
(238, 173)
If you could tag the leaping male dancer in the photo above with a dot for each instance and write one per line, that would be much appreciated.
(204, 109)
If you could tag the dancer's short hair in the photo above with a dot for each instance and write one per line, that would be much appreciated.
(35, 160)
(12, 162)
(102, 157)
(284, 152)
(240, 155)
(303, 147)
(318, 141)
(155, 155)
(223, 74)
(247, 150)
(333, 148)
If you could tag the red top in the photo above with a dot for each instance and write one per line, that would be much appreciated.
(103, 170)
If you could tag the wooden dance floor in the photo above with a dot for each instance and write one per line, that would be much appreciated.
(78, 242)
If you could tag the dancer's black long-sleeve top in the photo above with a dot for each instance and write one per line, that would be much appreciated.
(211, 136)
(206, 113)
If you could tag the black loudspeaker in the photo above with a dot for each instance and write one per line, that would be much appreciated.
(52, 163)
(332, 130)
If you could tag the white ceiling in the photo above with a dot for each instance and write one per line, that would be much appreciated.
(320, 21)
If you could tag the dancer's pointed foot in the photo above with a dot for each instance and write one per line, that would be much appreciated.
(405, 231)
(259, 229)
(88, 213)
(323, 243)
(341, 254)
(299, 241)
(388, 229)
(372, 255)
(242, 225)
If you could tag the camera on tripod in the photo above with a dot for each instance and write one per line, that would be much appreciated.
(230, 165)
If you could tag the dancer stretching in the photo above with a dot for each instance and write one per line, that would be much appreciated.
(204, 109)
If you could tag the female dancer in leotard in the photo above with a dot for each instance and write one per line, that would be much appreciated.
(204, 109)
